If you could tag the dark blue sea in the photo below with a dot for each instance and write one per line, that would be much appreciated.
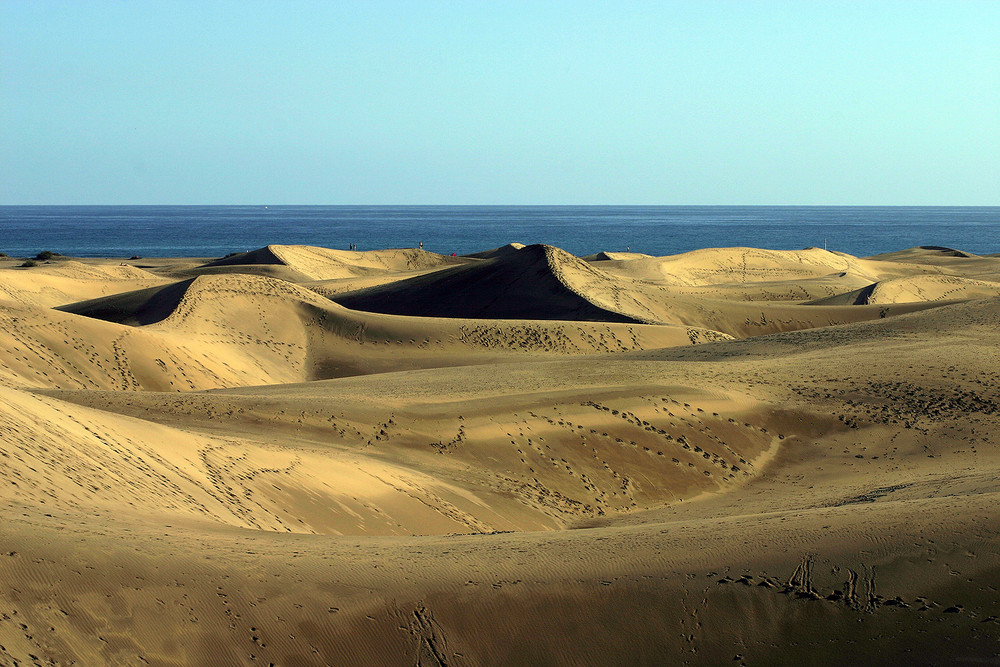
(213, 231)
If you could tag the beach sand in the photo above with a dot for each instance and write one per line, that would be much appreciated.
(303, 456)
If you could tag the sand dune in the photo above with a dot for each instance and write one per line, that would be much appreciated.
(527, 284)
(793, 291)
(931, 288)
(326, 264)
(725, 266)
(921, 288)
(70, 457)
(579, 454)
(542, 282)
(55, 283)
(230, 330)
(925, 254)
(568, 466)
(45, 348)
(620, 256)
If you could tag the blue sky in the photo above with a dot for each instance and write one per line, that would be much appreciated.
(505, 102)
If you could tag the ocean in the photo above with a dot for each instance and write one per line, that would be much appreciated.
(214, 231)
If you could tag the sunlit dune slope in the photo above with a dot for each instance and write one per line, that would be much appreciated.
(70, 458)
(728, 266)
(327, 264)
(947, 261)
(64, 281)
(40, 347)
(918, 288)
(565, 448)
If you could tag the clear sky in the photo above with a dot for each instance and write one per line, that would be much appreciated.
(499, 102)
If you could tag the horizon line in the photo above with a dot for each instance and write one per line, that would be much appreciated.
(263, 205)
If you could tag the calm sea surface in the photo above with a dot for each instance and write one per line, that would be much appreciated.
(211, 231)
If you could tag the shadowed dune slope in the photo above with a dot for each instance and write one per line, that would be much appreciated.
(925, 254)
(527, 284)
(502, 251)
(134, 308)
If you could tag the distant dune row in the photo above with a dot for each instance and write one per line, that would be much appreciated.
(299, 455)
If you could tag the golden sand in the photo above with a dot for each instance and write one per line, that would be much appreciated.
(303, 456)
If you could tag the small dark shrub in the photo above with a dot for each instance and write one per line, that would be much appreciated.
(45, 254)
(30, 263)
